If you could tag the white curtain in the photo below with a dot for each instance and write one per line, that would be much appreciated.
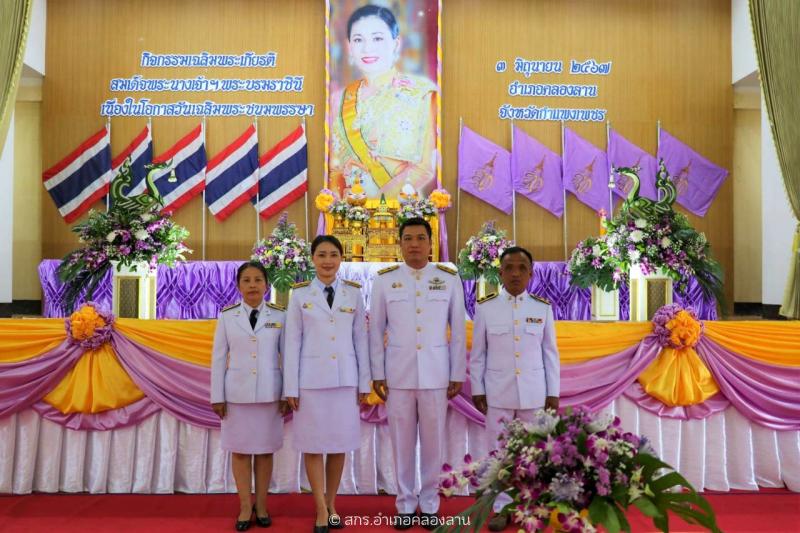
(164, 455)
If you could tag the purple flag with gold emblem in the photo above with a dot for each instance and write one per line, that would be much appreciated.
(484, 170)
(696, 179)
(623, 153)
(536, 172)
(585, 171)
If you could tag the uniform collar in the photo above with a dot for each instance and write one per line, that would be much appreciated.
(516, 299)
(414, 271)
(321, 286)
(248, 309)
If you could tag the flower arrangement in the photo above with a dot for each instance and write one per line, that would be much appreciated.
(285, 256)
(413, 208)
(128, 234)
(481, 255)
(574, 472)
(89, 326)
(651, 235)
(676, 327)
(440, 199)
(357, 214)
(339, 208)
(324, 199)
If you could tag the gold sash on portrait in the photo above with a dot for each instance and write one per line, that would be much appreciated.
(357, 142)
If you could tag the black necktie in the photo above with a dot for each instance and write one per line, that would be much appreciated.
(253, 318)
(329, 296)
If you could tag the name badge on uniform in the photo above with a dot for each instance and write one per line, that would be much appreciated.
(274, 325)
(532, 320)
(397, 285)
(347, 310)
(308, 305)
(437, 284)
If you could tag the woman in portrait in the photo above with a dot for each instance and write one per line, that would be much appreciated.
(326, 374)
(246, 386)
(383, 131)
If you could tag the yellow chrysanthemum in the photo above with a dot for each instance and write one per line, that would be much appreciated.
(440, 199)
(323, 201)
(684, 330)
(84, 321)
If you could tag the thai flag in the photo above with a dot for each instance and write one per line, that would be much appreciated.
(188, 160)
(232, 175)
(140, 150)
(81, 178)
(283, 174)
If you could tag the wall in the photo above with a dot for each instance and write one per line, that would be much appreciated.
(672, 61)
(7, 208)
(743, 48)
(747, 200)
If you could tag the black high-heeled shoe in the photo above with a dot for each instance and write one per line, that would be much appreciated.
(264, 521)
(320, 529)
(244, 525)
(335, 521)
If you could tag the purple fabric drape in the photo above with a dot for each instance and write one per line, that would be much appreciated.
(129, 415)
(200, 289)
(178, 387)
(321, 225)
(637, 395)
(24, 383)
(444, 252)
(766, 394)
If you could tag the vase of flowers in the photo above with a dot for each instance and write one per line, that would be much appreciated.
(414, 208)
(286, 258)
(357, 216)
(480, 258)
(131, 240)
(574, 472)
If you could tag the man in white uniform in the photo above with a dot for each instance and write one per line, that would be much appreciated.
(417, 370)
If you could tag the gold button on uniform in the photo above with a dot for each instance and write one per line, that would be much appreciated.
(254, 371)
(419, 311)
(332, 320)
(333, 357)
(333, 338)
(516, 354)
(419, 328)
(419, 293)
(253, 354)
(419, 346)
(253, 339)
(516, 322)
(518, 372)
(516, 337)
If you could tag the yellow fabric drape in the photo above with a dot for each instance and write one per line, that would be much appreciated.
(776, 343)
(27, 338)
(96, 383)
(15, 18)
(583, 341)
(678, 377)
(187, 340)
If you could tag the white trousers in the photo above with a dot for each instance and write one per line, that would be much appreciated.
(410, 411)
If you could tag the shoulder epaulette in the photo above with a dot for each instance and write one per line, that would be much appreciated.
(540, 299)
(487, 297)
(276, 306)
(388, 269)
(446, 269)
(352, 283)
(232, 306)
(301, 284)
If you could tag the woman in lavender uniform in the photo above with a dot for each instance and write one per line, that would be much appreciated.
(246, 389)
(326, 374)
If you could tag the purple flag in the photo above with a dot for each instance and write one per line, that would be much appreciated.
(536, 172)
(696, 179)
(623, 153)
(585, 171)
(484, 170)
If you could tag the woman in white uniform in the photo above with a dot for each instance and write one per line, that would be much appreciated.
(326, 374)
(246, 388)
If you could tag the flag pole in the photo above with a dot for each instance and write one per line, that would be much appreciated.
(564, 192)
(203, 203)
(610, 174)
(658, 147)
(513, 192)
(258, 185)
(305, 196)
(458, 191)
(108, 194)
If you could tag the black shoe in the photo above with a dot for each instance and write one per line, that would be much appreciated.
(404, 521)
(429, 521)
(262, 521)
(320, 529)
(335, 521)
(244, 525)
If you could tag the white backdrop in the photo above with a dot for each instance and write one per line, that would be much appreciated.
(164, 455)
